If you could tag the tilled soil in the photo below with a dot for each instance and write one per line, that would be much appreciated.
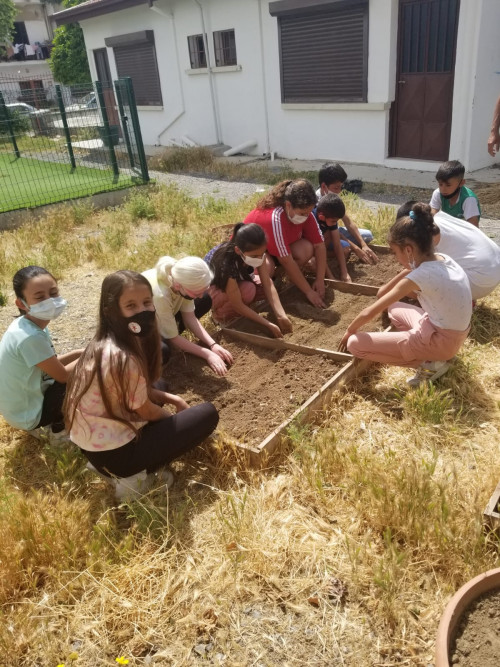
(477, 643)
(261, 389)
(315, 327)
(369, 274)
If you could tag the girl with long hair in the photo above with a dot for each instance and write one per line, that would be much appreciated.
(241, 277)
(293, 235)
(113, 411)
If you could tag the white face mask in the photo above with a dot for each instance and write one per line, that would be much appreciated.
(298, 219)
(253, 261)
(49, 309)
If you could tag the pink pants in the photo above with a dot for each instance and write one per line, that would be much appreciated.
(416, 340)
(222, 308)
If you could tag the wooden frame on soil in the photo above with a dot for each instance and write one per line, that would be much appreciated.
(315, 403)
(491, 515)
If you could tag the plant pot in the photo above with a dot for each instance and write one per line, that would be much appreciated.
(114, 134)
(450, 619)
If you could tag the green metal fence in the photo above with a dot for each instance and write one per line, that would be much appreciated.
(66, 142)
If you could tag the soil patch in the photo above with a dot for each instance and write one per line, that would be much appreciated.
(261, 389)
(477, 643)
(312, 326)
(369, 274)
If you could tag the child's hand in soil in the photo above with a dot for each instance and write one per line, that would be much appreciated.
(315, 299)
(216, 364)
(275, 330)
(343, 342)
(285, 325)
(346, 279)
(366, 255)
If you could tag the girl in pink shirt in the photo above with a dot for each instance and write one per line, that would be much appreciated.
(113, 409)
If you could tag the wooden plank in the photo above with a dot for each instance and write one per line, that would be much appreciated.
(381, 249)
(490, 515)
(352, 288)
(280, 344)
(313, 404)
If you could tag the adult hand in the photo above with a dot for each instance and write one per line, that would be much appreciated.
(224, 354)
(494, 144)
(216, 364)
(343, 342)
(276, 331)
(315, 299)
(319, 287)
(284, 324)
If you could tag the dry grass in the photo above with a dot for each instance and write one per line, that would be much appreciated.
(343, 551)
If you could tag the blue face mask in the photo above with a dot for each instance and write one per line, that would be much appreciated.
(49, 309)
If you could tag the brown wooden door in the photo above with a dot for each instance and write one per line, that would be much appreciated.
(104, 76)
(421, 114)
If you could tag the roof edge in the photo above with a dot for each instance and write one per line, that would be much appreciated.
(94, 8)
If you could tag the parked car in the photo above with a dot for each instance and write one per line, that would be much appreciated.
(22, 108)
(87, 102)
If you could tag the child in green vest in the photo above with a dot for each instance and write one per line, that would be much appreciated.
(452, 196)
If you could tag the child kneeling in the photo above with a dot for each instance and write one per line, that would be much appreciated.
(427, 337)
(112, 409)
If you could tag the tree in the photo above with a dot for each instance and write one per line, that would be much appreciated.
(68, 59)
(8, 13)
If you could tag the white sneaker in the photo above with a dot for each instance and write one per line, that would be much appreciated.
(165, 477)
(428, 372)
(129, 488)
(46, 433)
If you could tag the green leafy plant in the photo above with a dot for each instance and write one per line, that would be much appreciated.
(68, 60)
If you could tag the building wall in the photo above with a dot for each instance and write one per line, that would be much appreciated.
(477, 82)
(238, 104)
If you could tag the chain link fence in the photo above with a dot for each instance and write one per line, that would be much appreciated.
(59, 142)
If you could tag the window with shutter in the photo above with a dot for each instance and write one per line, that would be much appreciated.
(135, 56)
(323, 50)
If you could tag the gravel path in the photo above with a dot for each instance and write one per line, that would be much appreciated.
(235, 190)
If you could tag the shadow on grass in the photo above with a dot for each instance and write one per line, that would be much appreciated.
(469, 403)
(485, 324)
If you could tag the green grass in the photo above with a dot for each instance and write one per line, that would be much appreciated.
(25, 182)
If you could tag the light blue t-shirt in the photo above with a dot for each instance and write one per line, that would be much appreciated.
(23, 384)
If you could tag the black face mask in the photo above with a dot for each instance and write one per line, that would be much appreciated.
(452, 194)
(141, 324)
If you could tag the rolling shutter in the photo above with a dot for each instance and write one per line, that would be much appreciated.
(324, 53)
(135, 56)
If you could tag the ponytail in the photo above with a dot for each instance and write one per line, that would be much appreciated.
(417, 227)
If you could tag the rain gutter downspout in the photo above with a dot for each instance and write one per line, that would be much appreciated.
(210, 75)
(170, 15)
(264, 82)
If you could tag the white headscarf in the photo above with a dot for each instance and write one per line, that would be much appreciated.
(193, 273)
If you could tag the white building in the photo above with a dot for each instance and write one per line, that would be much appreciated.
(403, 83)
(24, 70)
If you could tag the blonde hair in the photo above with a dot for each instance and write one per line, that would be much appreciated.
(192, 273)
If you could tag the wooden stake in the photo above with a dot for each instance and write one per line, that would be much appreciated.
(280, 344)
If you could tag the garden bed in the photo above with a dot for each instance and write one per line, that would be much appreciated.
(371, 274)
(315, 327)
(260, 390)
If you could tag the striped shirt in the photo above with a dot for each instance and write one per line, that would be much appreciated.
(281, 233)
